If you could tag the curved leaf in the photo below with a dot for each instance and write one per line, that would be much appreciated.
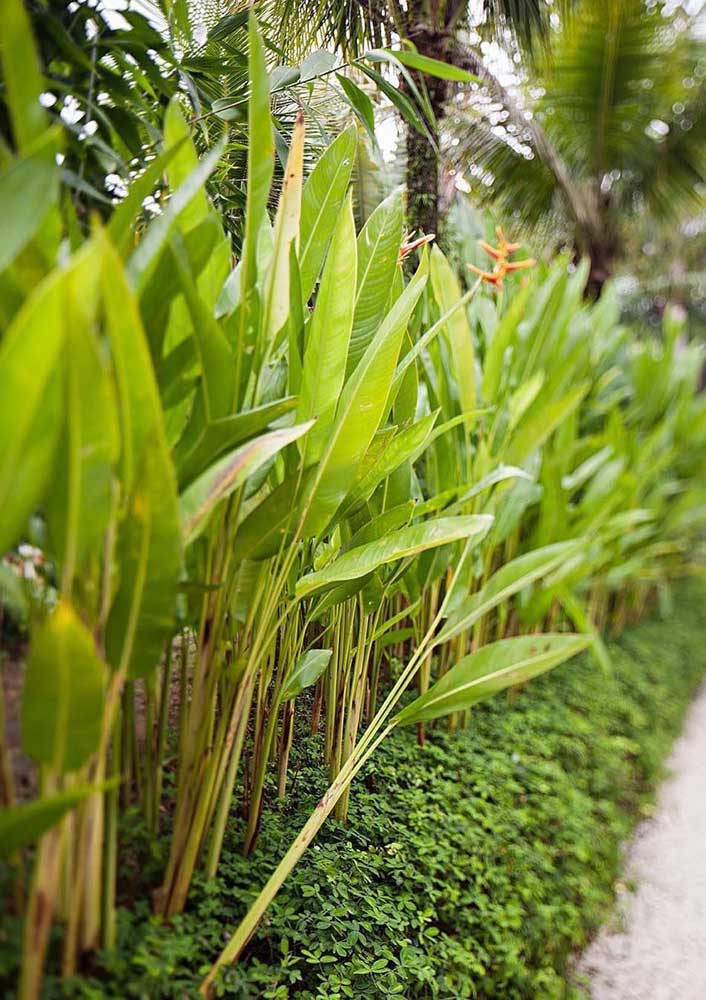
(198, 501)
(508, 580)
(309, 667)
(62, 698)
(396, 545)
(489, 670)
(322, 198)
(328, 336)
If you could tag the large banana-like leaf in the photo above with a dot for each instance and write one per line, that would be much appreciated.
(144, 259)
(286, 234)
(192, 457)
(181, 165)
(149, 545)
(80, 504)
(394, 546)
(541, 422)
(322, 199)
(361, 408)
(328, 336)
(62, 698)
(260, 168)
(489, 670)
(508, 580)
(22, 77)
(403, 447)
(32, 405)
(198, 501)
(447, 291)
(29, 186)
(378, 250)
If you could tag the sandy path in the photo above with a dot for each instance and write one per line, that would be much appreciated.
(655, 946)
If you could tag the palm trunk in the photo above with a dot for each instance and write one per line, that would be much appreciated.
(422, 151)
(423, 169)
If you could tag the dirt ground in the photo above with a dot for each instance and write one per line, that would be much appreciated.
(655, 946)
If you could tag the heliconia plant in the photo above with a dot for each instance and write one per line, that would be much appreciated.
(294, 480)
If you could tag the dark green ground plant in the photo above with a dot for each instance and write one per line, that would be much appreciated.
(473, 866)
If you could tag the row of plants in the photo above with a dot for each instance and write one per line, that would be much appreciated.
(311, 469)
(477, 865)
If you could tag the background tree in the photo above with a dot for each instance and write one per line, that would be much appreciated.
(613, 123)
(438, 29)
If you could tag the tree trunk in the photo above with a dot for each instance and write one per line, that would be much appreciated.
(422, 154)
(598, 273)
(423, 166)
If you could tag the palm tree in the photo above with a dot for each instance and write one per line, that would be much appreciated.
(439, 29)
(611, 123)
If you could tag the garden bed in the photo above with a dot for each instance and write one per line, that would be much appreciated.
(472, 867)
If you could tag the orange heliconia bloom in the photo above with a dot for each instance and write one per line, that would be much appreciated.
(501, 256)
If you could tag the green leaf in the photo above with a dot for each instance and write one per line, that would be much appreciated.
(217, 362)
(405, 446)
(261, 152)
(31, 410)
(198, 500)
(121, 223)
(62, 698)
(403, 104)
(360, 102)
(495, 354)
(322, 199)
(577, 614)
(432, 67)
(508, 580)
(264, 529)
(489, 670)
(143, 260)
(218, 436)
(276, 300)
(81, 501)
(541, 422)
(317, 62)
(382, 524)
(309, 667)
(329, 336)
(362, 406)
(378, 250)
(23, 825)
(28, 188)
(447, 291)
(149, 542)
(396, 545)
(181, 166)
(13, 597)
(22, 75)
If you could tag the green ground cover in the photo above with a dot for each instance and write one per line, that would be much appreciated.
(472, 867)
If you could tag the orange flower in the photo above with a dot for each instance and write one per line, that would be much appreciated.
(501, 256)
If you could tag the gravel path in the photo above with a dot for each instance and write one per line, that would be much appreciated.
(655, 947)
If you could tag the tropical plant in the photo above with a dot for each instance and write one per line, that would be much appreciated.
(440, 47)
(292, 473)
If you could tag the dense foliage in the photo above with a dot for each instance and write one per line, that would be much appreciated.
(286, 484)
(476, 865)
